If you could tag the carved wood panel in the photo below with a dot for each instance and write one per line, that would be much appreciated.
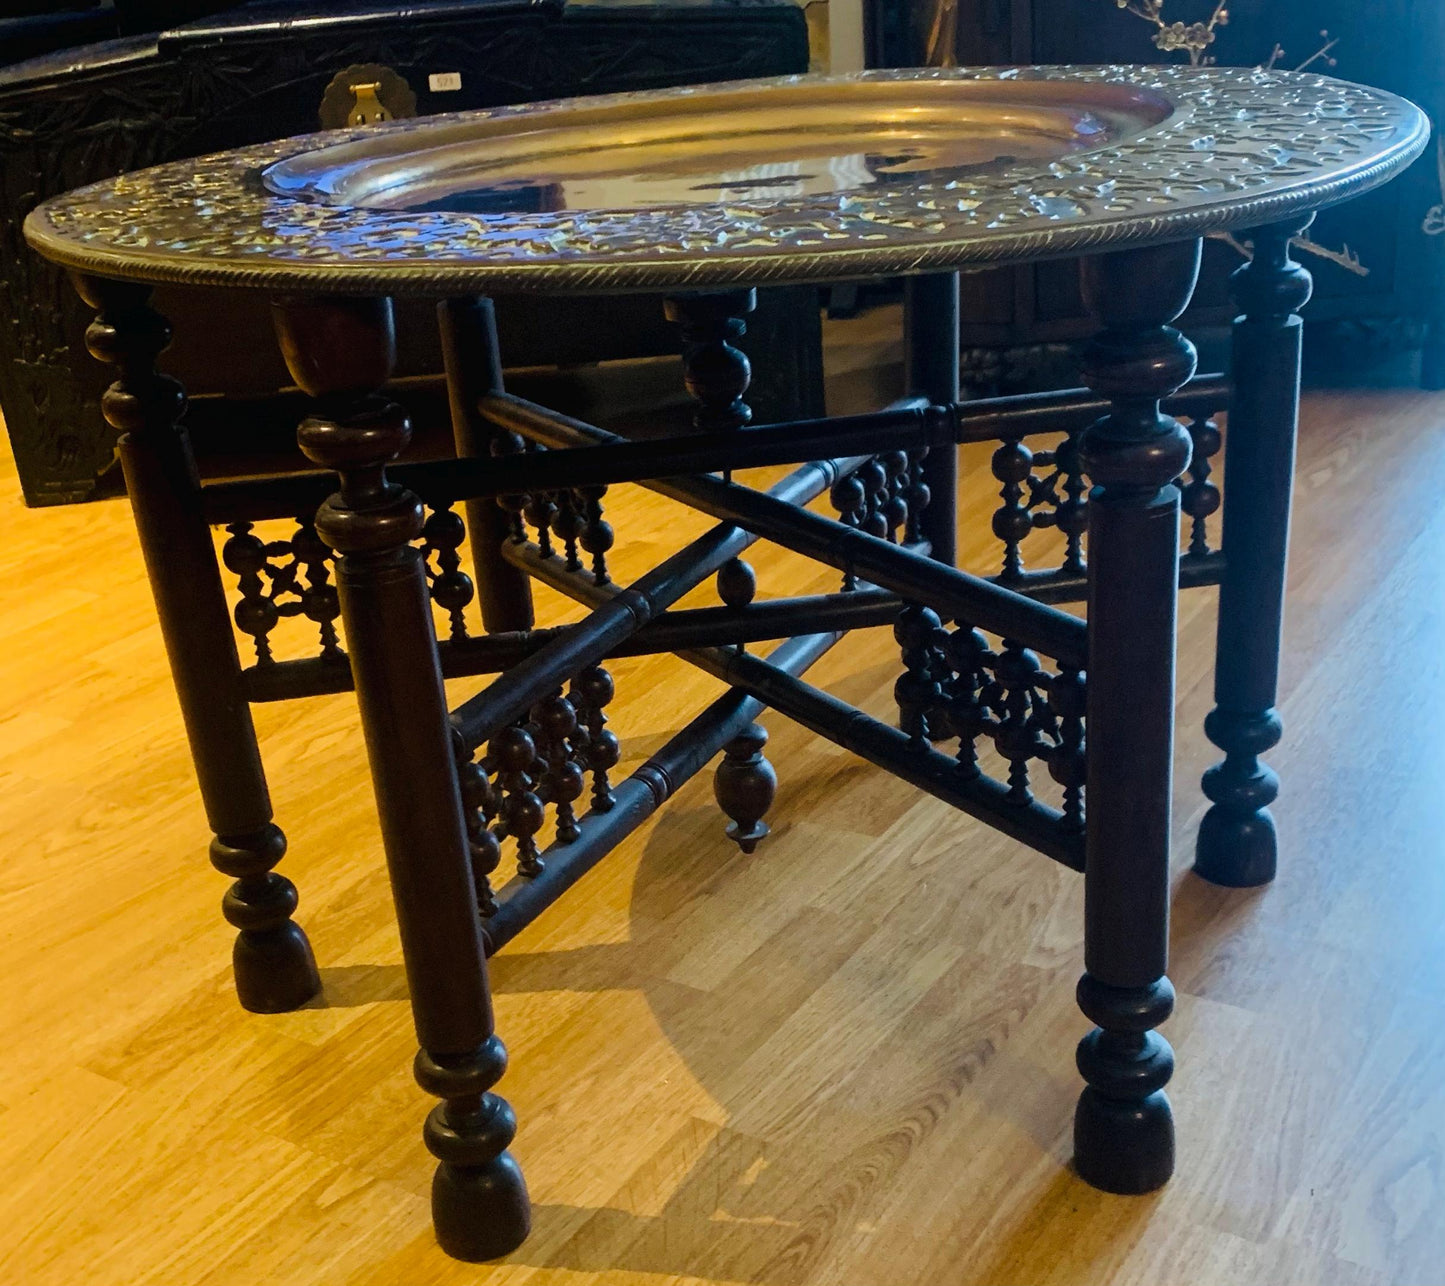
(193, 96)
(1385, 274)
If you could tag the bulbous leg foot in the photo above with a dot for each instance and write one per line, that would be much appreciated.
(1237, 852)
(1237, 845)
(480, 1212)
(1123, 1126)
(1126, 1147)
(479, 1198)
(275, 969)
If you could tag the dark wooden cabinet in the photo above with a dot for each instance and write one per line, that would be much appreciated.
(252, 74)
(1016, 321)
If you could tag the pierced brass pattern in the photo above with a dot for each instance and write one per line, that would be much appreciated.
(1243, 147)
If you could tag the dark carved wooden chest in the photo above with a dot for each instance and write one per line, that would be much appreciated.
(1378, 265)
(262, 71)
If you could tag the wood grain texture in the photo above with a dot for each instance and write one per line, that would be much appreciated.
(846, 1058)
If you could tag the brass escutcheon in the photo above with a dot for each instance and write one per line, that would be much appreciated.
(366, 94)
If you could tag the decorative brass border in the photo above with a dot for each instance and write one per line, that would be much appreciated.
(1245, 147)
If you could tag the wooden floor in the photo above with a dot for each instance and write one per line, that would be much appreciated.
(845, 1059)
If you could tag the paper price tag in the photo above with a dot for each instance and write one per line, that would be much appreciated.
(442, 81)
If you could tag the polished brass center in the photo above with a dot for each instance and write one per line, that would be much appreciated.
(721, 144)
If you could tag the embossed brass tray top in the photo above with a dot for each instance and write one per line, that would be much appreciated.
(798, 178)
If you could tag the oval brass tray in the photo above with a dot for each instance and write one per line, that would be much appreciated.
(754, 143)
(793, 179)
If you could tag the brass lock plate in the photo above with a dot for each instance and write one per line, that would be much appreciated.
(366, 94)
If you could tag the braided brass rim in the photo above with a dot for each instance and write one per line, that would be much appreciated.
(1244, 147)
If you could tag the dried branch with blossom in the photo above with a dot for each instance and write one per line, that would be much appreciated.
(1323, 54)
(1195, 38)
(1344, 256)
(1192, 37)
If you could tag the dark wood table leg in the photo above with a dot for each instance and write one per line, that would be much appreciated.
(341, 352)
(930, 324)
(474, 368)
(274, 966)
(1123, 1128)
(1237, 844)
(718, 374)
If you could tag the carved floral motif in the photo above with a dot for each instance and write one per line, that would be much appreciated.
(1243, 146)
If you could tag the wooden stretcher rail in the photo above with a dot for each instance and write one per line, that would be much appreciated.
(1056, 587)
(1034, 824)
(956, 594)
(621, 614)
(907, 425)
(780, 618)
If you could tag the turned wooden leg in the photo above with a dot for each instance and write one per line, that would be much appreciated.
(341, 352)
(930, 327)
(717, 375)
(1123, 1128)
(474, 368)
(1237, 844)
(274, 967)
